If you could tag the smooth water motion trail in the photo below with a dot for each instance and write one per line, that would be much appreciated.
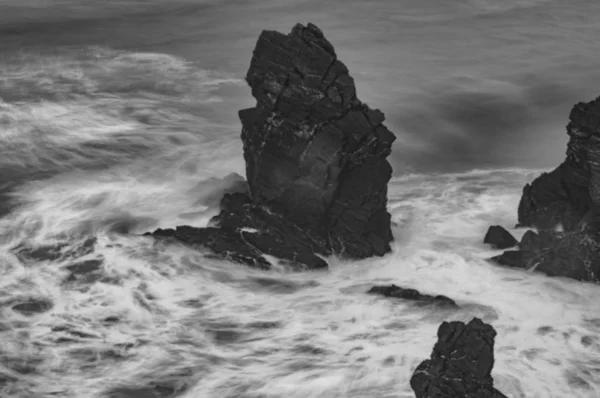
(167, 316)
(114, 117)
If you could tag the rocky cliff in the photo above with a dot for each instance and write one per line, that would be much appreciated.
(460, 365)
(564, 206)
(315, 163)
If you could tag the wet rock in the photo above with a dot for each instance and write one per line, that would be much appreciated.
(530, 241)
(460, 365)
(231, 183)
(574, 255)
(570, 194)
(413, 295)
(499, 238)
(33, 306)
(564, 205)
(513, 258)
(315, 163)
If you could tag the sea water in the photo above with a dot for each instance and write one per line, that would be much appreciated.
(119, 117)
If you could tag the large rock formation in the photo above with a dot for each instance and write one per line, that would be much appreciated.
(564, 205)
(315, 162)
(460, 365)
(569, 195)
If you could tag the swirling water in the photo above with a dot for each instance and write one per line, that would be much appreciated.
(107, 133)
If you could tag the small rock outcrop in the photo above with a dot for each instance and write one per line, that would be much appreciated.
(573, 255)
(460, 365)
(412, 295)
(499, 238)
(564, 206)
(315, 163)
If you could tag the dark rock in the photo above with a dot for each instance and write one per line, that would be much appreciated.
(413, 295)
(499, 238)
(574, 255)
(315, 163)
(570, 194)
(513, 258)
(530, 241)
(564, 205)
(460, 365)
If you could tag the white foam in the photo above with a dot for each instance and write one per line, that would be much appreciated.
(86, 108)
(330, 338)
(183, 316)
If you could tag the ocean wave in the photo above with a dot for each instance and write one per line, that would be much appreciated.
(94, 108)
(107, 313)
(102, 71)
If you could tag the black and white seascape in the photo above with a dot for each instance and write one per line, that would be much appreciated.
(120, 117)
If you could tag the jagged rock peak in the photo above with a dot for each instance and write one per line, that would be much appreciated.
(564, 206)
(460, 365)
(316, 163)
(314, 153)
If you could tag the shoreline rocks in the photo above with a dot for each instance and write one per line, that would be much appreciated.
(460, 365)
(572, 255)
(564, 206)
(412, 295)
(315, 163)
(499, 238)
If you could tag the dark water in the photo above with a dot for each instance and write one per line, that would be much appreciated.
(121, 116)
(468, 83)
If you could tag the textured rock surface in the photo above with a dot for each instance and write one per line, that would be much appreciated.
(575, 255)
(315, 162)
(460, 365)
(499, 238)
(412, 295)
(564, 205)
(570, 194)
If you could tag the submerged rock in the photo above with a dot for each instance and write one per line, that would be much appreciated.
(413, 295)
(157, 391)
(569, 195)
(564, 206)
(460, 365)
(57, 252)
(33, 306)
(499, 238)
(315, 163)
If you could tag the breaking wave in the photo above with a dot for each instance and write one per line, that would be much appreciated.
(100, 146)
